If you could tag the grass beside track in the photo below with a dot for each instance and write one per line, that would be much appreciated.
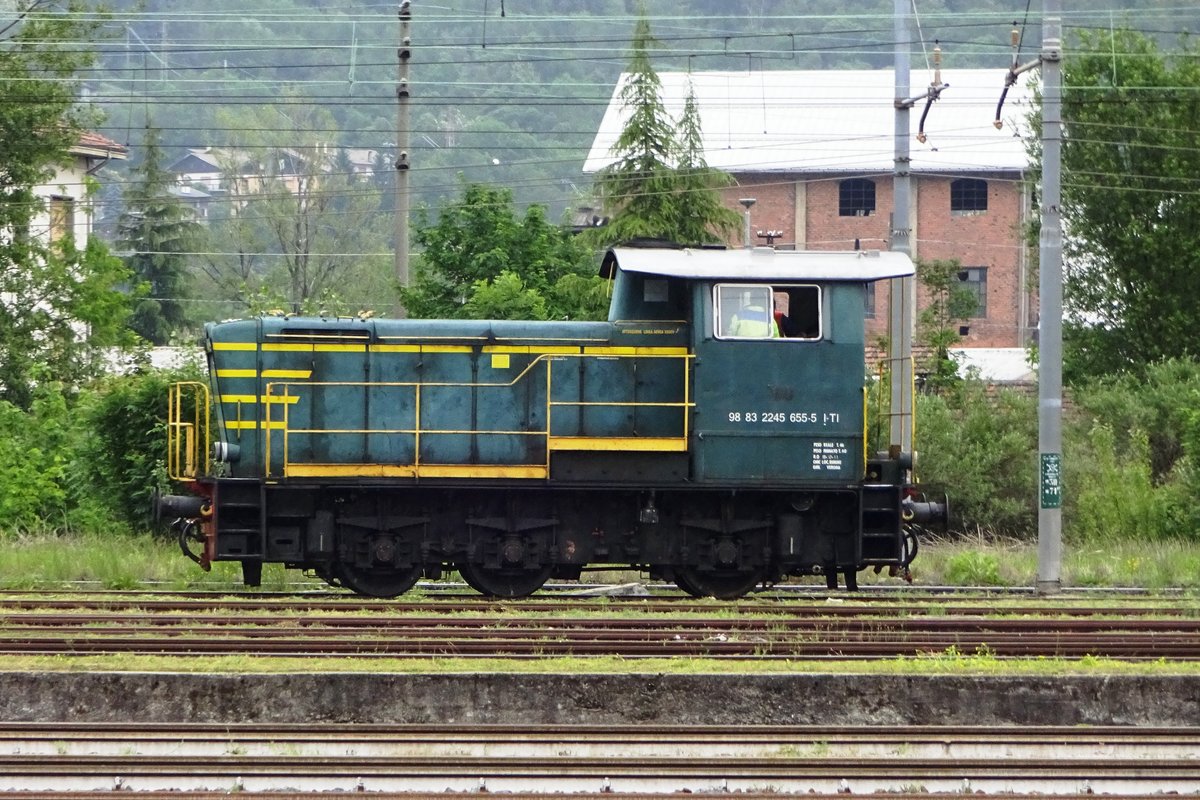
(949, 663)
(46, 562)
(42, 565)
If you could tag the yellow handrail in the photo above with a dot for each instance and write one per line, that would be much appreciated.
(272, 398)
(187, 434)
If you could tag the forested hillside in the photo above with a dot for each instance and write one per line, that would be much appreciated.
(505, 91)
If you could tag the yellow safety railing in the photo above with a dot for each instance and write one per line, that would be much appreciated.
(910, 412)
(187, 430)
(621, 442)
(866, 432)
(280, 398)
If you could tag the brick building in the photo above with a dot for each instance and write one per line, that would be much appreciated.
(816, 149)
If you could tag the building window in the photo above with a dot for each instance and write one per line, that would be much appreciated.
(975, 280)
(968, 196)
(871, 300)
(856, 198)
(62, 218)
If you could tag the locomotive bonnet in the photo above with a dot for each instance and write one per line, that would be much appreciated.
(711, 433)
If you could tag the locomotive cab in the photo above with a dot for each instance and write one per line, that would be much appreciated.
(779, 415)
(778, 349)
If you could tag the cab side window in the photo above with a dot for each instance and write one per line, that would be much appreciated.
(797, 311)
(755, 311)
(744, 312)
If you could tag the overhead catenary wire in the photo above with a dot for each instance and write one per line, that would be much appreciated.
(335, 100)
(563, 44)
(797, 174)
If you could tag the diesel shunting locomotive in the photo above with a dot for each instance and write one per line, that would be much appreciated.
(712, 433)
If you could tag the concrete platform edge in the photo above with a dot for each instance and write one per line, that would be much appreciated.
(808, 699)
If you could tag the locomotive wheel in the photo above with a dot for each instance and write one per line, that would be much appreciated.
(721, 584)
(504, 581)
(681, 580)
(378, 582)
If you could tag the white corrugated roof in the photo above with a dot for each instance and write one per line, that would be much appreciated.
(763, 263)
(122, 361)
(1001, 364)
(838, 121)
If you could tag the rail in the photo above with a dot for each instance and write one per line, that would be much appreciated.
(283, 397)
(187, 430)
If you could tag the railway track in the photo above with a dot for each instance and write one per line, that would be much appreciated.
(749, 760)
(334, 626)
(64, 760)
(438, 596)
(603, 795)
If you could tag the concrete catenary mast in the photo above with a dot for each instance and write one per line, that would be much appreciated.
(902, 308)
(403, 54)
(1050, 302)
(901, 292)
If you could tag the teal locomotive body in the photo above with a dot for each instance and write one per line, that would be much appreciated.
(711, 432)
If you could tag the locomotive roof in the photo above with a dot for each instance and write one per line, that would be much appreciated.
(760, 263)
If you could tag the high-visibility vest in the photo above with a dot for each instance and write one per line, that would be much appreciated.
(752, 321)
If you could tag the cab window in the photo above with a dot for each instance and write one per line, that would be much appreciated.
(797, 311)
(744, 312)
(759, 311)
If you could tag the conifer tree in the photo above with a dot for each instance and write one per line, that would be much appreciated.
(700, 217)
(159, 231)
(659, 186)
(635, 191)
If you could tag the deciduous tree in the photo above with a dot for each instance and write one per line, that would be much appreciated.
(297, 227)
(57, 303)
(1131, 202)
(950, 303)
(479, 260)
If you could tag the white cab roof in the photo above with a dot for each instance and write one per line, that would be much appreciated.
(761, 264)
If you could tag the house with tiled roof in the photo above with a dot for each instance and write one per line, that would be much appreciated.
(814, 150)
(67, 209)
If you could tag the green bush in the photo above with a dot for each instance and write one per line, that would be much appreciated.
(1159, 405)
(1131, 446)
(33, 462)
(1131, 450)
(1111, 494)
(973, 568)
(89, 462)
(122, 456)
(981, 450)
